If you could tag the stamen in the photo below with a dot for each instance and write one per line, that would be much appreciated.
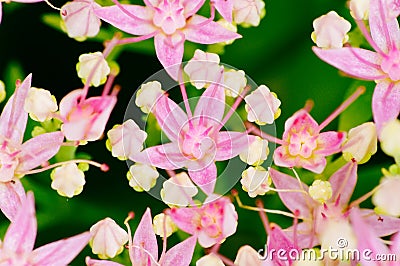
(137, 39)
(257, 209)
(103, 167)
(184, 93)
(256, 131)
(360, 90)
(126, 12)
(52, 6)
(365, 197)
(368, 37)
(309, 105)
(263, 217)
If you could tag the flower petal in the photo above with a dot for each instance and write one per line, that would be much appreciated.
(294, 200)
(230, 144)
(13, 119)
(385, 103)
(137, 24)
(357, 62)
(384, 30)
(209, 33)
(170, 117)
(225, 8)
(12, 194)
(330, 142)
(183, 218)
(181, 254)
(192, 6)
(165, 156)
(21, 234)
(383, 225)
(61, 252)
(92, 262)
(300, 121)
(343, 182)
(205, 178)
(38, 150)
(169, 50)
(211, 104)
(144, 238)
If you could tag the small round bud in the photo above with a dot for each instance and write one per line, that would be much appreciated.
(256, 153)
(210, 259)
(390, 140)
(40, 104)
(158, 225)
(320, 191)
(262, 106)
(108, 238)
(3, 93)
(142, 177)
(255, 181)
(177, 190)
(93, 62)
(147, 96)
(234, 82)
(68, 180)
(361, 144)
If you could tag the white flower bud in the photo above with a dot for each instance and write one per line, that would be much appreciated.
(359, 9)
(177, 190)
(234, 82)
(330, 31)
(142, 177)
(383, 198)
(390, 139)
(68, 180)
(147, 96)
(108, 238)
(255, 181)
(210, 260)
(256, 153)
(158, 225)
(203, 68)
(126, 140)
(262, 106)
(3, 92)
(362, 143)
(40, 104)
(320, 191)
(93, 62)
(248, 12)
(247, 256)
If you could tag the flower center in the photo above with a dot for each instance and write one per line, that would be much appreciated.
(169, 16)
(302, 143)
(211, 219)
(391, 65)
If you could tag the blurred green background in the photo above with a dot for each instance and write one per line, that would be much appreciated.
(277, 54)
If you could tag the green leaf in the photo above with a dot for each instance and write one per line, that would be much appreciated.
(360, 111)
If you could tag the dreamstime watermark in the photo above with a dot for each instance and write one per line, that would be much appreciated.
(341, 252)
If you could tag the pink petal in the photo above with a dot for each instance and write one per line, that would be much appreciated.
(141, 25)
(366, 237)
(21, 234)
(211, 104)
(225, 8)
(209, 33)
(13, 119)
(12, 194)
(283, 158)
(1, 12)
(395, 247)
(183, 218)
(278, 240)
(38, 150)
(180, 254)
(231, 143)
(315, 164)
(294, 201)
(343, 182)
(205, 178)
(357, 62)
(192, 6)
(170, 117)
(305, 235)
(169, 50)
(61, 252)
(384, 31)
(69, 101)
(383, 225)
(144, 238)
(166, 156)
(92, 262)
(300, 121)
(385, 103)
(330, 142)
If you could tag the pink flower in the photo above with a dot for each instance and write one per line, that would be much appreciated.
(85, 119)
(143, 249)
(196, 140)
(381, 66)
(18, 158)
(170, 22)
(211, 223)
(304, 145)
(316, 216)
(19, 240)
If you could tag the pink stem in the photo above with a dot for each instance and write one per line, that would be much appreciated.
(137, 39)
(126, 12)
(235, 105)
(367, 36)
(360, 90)
(255, 130)
(263, 217)
(184, 93)
(309, 105)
